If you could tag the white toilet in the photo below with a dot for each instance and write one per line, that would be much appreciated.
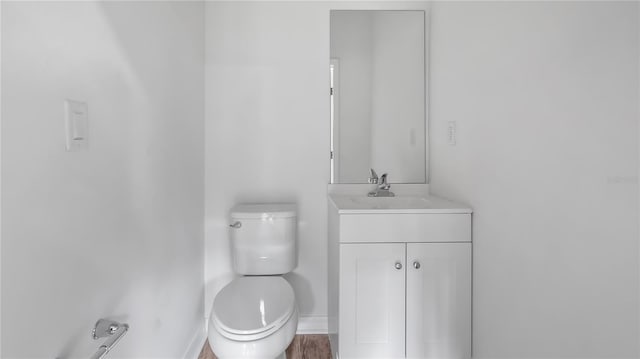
(255, 316)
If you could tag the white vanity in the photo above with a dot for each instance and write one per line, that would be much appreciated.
(399, 277)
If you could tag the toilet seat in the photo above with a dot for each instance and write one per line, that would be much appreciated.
(251, 308)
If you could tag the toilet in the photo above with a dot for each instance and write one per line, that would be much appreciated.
(255, 316)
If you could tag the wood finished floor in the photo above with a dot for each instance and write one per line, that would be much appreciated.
(308, 346)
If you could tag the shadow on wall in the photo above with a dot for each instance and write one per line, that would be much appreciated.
(302, 289)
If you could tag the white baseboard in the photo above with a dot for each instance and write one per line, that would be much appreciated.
(313, 325)
(195, 347)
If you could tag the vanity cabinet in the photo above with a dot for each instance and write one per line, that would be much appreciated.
(400, 292)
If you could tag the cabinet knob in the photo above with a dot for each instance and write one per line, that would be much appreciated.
(416, 265)
(398, 265)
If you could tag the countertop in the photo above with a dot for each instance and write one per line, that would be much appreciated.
(350, 204)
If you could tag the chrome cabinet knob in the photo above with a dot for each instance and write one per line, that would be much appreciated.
(416, 265)
(236, 224)
(398, 265)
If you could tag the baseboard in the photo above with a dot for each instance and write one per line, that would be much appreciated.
(313, 325)
(195, 347)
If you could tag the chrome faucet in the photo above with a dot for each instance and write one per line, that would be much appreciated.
(373, 176)
(383, 189)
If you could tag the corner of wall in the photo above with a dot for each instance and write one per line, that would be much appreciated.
(199, 338)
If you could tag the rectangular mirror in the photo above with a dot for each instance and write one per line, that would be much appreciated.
(378, 95)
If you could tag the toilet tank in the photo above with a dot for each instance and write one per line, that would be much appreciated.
(263, 238)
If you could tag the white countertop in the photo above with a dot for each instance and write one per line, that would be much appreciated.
(350, 204)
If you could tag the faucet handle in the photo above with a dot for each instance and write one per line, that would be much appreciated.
(383, 179)
(373, 176)
(383, 184)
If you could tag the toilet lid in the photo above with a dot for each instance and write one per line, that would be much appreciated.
(253, 306)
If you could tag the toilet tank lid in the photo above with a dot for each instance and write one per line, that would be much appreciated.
(264, 210)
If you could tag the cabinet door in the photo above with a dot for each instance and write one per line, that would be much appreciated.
(439, 300)
(372, 307)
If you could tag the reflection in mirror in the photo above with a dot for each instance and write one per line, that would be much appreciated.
(378, 107)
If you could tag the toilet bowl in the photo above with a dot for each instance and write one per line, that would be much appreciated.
(255, 316)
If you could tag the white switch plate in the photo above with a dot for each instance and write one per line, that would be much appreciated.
(76, 125)
(451, 132)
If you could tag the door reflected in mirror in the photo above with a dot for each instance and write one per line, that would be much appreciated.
(378, 95)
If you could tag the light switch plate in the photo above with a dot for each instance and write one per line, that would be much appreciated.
(76, 125)
(451, 133)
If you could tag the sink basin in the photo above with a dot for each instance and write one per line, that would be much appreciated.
(391, 202)
(400, 204)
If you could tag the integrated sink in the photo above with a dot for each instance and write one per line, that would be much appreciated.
(400, 204)
(391, 202)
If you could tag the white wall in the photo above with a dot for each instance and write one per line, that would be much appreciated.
(545, 96)
(116, 231)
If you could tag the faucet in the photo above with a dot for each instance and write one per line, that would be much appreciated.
(383, 189)
(373, 176)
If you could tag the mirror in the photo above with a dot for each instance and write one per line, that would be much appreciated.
(378, 95)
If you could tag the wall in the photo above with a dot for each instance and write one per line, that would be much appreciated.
(545, 97)
(116, 231)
